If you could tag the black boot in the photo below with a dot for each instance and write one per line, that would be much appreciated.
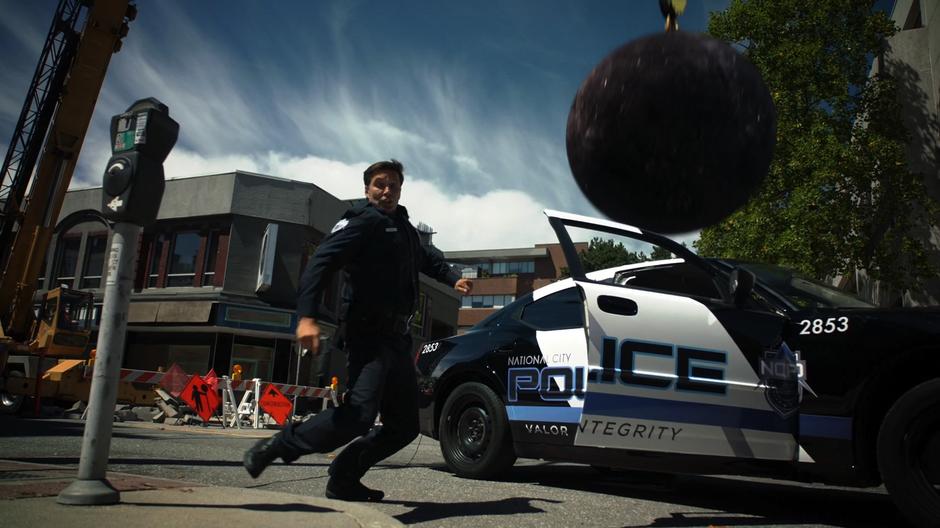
(263, 453)
(351, 490)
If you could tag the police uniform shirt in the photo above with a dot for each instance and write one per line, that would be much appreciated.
(382, 255)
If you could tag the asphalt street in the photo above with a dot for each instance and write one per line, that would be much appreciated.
(420, 491)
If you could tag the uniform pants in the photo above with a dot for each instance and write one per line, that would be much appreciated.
(381, 379)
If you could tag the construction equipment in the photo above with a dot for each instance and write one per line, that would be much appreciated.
(48, 137)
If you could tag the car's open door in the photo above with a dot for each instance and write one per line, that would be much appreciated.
(674, 363)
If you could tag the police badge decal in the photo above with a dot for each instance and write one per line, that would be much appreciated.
(780, 376)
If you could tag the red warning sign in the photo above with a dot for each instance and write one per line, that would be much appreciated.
(275, 403)
(174, 380)
(200, 396)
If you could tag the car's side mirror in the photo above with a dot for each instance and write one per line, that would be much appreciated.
(741, 285)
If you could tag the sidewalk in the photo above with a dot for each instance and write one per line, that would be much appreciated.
(28, 499)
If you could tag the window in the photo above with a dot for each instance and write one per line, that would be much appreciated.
(192, 359)
(67, 260)
(564, 309)
(41, 281)
(256, 361)
(182, 265)
(212, 250)
(513, 268)
(486, 301)
(156, 256)
(95, 247)
(681, 278)
(522, 267)
(625, 259)
(186, 258)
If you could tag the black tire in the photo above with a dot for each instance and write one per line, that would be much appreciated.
(475, 438)
(909, 453)
(10, 404)
(13, 404)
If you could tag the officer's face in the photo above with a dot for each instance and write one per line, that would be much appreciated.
(384, 191)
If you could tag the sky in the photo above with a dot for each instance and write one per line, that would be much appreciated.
(472, 97)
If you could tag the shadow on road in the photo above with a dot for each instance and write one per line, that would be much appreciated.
(17, 427)
(290, 507)
(433, 511)
(117, 461)
(733, 501)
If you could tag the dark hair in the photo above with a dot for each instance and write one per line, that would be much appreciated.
(392, 165)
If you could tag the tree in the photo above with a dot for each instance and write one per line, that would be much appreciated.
(603, 253)
(839, 195)
(661, 253)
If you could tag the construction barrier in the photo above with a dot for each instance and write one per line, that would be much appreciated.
(301, 391)
(248, 408)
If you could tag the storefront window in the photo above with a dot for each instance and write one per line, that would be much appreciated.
(182, 268)
(95, 247)
(156, 255)
(256, 361)
(68, 260)
(208, 267)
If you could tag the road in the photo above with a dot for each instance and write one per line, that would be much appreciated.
(420, 491)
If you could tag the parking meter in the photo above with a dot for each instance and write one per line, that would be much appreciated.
(141, 139)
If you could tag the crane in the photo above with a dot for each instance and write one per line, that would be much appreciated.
(48, 138)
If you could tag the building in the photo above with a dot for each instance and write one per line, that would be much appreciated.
(217, 275)
(913, 59)
(502, 275)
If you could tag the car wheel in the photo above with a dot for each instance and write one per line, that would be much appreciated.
(474, 431)
(909, 453)
(11, 403)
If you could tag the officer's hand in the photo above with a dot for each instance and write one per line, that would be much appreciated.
(308, 335)
(464, 286)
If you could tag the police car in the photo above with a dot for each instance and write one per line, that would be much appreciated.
(689, 365)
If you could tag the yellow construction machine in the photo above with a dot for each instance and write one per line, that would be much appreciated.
(37, 333)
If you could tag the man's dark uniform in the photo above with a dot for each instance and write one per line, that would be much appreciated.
(381, 255)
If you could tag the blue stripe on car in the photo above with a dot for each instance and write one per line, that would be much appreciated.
(621, 406)
(599, 404)
(533, 413)
(838, 427)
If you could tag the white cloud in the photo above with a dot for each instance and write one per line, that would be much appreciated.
(496, 219)
(430, 114)
(467, 162)
(499, 218)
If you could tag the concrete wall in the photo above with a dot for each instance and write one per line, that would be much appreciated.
(80, 200)
(200, 196)
(286, 201)
(443, 300)
(913, 59)
(244, 256)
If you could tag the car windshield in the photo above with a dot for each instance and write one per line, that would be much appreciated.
(801, 290)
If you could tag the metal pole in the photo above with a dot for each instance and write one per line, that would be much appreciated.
(297, 376)
(91, 487)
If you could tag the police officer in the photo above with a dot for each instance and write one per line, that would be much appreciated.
(381, 255)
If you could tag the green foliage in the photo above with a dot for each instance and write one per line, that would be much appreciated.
(602, 254)
(660, 253)
(839, 194)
